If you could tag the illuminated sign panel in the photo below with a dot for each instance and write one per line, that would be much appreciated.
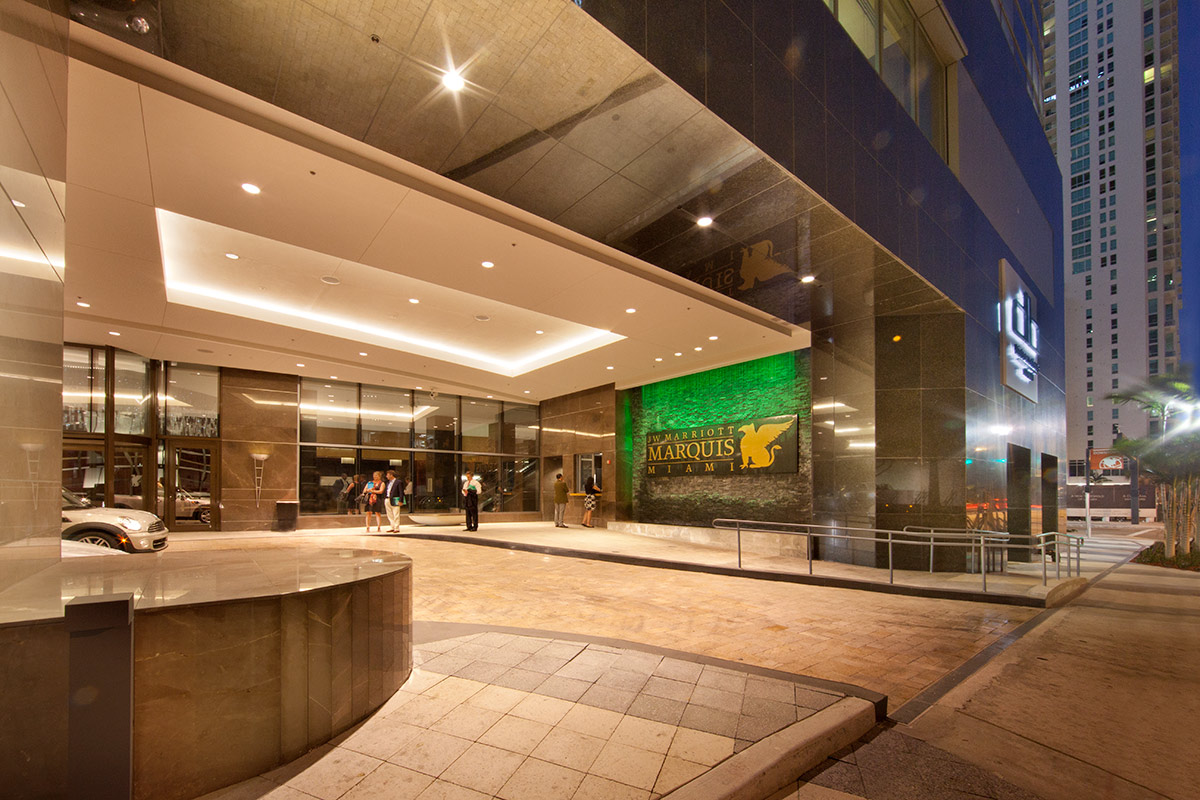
(1019, 333)
(764, 446)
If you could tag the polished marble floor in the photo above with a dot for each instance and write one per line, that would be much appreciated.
(892, 644)
(498, 715)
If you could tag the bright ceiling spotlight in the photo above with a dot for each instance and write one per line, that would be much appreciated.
(453, 81)
(250, 188)
(18, 204)
(232, 256)
(413, 300)
(697, 349)
(114, 333)
(807, 279)
(712, 338)
(487, 264)
(631, 311)
(704, 222)
(82, 304)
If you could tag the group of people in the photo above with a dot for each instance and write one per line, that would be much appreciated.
(377, 496)
(561, 493)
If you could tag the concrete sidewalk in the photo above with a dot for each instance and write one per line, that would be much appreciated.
(1100, 701)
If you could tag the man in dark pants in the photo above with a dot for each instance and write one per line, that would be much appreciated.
(471, 491)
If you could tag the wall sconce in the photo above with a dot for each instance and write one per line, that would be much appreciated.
(259, 459)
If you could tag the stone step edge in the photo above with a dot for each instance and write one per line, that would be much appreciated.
(772, 763)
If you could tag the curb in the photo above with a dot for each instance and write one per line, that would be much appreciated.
(772, 763)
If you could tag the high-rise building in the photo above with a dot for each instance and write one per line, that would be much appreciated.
(1111, 112)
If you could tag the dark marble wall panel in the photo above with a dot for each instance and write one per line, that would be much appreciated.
(320, 667)
(35, 679)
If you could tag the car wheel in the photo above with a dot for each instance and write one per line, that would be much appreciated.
(98, 538)
(204, 515)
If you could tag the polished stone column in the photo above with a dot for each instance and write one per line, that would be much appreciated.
(259, 416)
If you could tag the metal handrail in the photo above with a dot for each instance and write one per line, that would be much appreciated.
(925, 530)
(981, 539)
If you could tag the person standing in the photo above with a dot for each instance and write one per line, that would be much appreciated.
(590, 491)
(392, 494)
(408, 496)
(472, 488)
(560, 501)
(343, 488)
(373, 494)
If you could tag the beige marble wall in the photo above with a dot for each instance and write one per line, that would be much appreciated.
(227, 691)
(258, 415)
(583, 422)
(33, 82)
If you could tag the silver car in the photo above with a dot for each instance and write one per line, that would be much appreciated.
(121, 528)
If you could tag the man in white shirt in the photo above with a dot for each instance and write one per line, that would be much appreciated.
(472, 488)
(392, 499)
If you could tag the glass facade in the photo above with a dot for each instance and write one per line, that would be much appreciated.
(188, 405)
(131, 393)
(430, 439)
(83, 389)
(888, 34)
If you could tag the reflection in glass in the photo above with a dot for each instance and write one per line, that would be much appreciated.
(520, 434)
(83, 472)
(931, 94)
(480, 425)
(436, 482)
(487, 469)
(83, 390)
(386, 416)
(190, 400)
(519, 484)
(859, 18)
(436, 426)
(131, 393)
(898, 38)
(326, 480)
(129, 488)
(328, 412)
(193, 484)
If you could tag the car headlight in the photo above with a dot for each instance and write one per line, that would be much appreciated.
(129, 523)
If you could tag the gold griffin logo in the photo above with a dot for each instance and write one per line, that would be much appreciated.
(759, 264)
(758, 451)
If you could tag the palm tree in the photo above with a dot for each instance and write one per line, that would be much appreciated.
(1171, 459)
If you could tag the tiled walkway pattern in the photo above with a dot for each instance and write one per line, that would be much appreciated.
(523, 718)
(892, 644)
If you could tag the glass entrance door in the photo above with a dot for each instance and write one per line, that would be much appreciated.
(188, 478)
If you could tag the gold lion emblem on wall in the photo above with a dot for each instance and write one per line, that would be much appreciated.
(758, 451)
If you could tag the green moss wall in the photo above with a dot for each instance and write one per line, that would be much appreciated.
(766, 387)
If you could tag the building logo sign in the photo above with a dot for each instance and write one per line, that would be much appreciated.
(1019, 333)
(765, 446)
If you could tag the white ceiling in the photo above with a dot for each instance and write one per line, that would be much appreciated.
(153, 179)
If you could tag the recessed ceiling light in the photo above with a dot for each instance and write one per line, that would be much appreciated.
(489, 397)
(658, 359)
(114, 333)
(807, 279)
(631, 311)
(526, 391)
(232, 256)
(697, 349)
(679, 354)
(203, 350)
(413, 300)
(331, 280)
(250, 188)
(704, 222)
(82, 304)
(539, 333)
(608, 367)
(482, 318)
(362, 354)
(487, 265)
(416, 387)
(712, 338)
(18, 204)
(453, 81)
(333, 377)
